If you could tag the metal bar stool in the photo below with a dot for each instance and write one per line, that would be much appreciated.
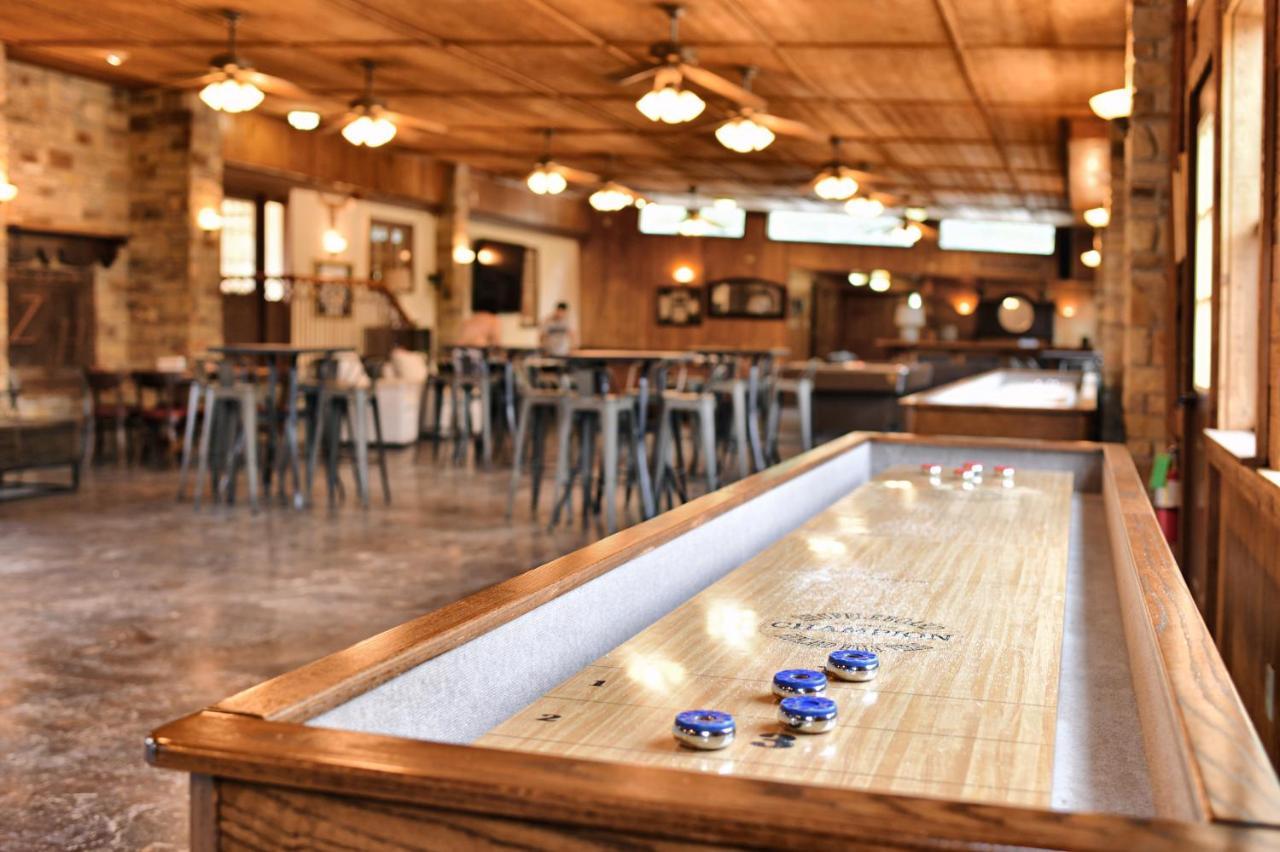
(231, 412)
(471, 377)
(590, 411)
(536, 403)
(800, 387)
(674, 408)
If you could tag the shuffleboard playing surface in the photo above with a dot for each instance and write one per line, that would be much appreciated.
(960, 588)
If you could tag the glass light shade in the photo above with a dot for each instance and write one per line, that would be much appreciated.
(915, 214)
(725, 203)
(835, 184)
(1068, 311)
(8, 191)
(880, 280)
(1112, 104)
(964, 307)
(488, 256)
(463, 254)
(610, 198)
(683, 274)
(369, 132)
(1097, 217)
(915, 302)
(209, 220)
(858, 279)
(545, 180)
(670, 104)
(863, 208)
(694, 225)
(743, 135)
(333, 242)
(303, 119)
(1091, 258)
(231, 95)
(1010, 303)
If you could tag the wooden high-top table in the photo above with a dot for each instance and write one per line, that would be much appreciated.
(1046, 681)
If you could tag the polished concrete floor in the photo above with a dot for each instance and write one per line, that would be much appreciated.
(122, 609)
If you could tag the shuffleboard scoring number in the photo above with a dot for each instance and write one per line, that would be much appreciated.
(774, 740)
(548, 717)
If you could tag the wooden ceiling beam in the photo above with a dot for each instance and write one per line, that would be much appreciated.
(948, 16)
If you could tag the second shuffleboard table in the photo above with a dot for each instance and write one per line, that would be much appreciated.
(1045, 404)
(1046, 681)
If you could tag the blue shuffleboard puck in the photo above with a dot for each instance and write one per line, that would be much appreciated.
(807, 714)
(799, 682)
(704, 729)
(853, 665)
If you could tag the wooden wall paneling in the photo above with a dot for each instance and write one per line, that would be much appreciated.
(260, 142)
(510, 202)
(1246, 517)
(622, 268)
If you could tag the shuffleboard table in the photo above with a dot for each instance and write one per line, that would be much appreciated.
(1017, 403)
(1045, 681)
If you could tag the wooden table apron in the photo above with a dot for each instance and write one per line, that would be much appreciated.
(251, 753)
(286, 419)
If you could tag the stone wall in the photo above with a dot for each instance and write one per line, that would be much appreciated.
(1148, 309)
(68, 151)
(175, 169)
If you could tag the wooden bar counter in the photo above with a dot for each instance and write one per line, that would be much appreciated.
(1046, 682)
(860, 395)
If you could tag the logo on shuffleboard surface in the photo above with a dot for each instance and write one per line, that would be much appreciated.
(865, 631)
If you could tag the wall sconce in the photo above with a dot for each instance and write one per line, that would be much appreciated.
(209, 220)
(332, 240)
(964, 307)
(464, 254)
(1068, 311)
(684, 274)
(859, 279)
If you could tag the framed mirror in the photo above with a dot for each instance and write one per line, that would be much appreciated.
(746, 298)
(679, 306)
(1015, 315)
(391, 255)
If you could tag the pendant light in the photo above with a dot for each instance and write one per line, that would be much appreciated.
(611, 198)
(668, 101)
(694, 223)
(546, 179)
(835, 182)
(229, 91)
(864, 208)
(370, 128)
(1112, 104)
(741, 133)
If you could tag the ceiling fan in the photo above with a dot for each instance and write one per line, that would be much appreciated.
(367, 121)
(752, 129)
(232, 84)
(551, 178)
(675, 63)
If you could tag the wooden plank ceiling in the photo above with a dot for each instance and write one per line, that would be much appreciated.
(953, 103)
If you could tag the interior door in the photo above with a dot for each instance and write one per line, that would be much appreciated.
(1197, 344)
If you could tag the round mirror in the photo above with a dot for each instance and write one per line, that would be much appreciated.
(1015, 315)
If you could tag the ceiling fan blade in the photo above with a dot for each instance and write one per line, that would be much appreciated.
(196, 82)
(576, 175)
(713, 82)
(635, 74)
(277, 86)
(404, 120)
(790, 127)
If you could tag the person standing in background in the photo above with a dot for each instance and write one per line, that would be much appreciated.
(556, 336)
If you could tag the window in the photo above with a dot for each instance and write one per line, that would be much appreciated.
(1202, 311)
(239, 245)
(1240, 221)
(1005, 237)
(664, 220)
(793, 226)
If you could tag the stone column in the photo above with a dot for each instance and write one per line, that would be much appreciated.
(1148, 272)
(453, 296)
(1111, 296)
(175, 165)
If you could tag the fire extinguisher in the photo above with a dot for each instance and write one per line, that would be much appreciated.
(1166, 497)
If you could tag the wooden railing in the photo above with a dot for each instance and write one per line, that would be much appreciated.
(329, 311)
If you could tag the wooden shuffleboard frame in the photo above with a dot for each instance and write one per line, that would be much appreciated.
(263, 778)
